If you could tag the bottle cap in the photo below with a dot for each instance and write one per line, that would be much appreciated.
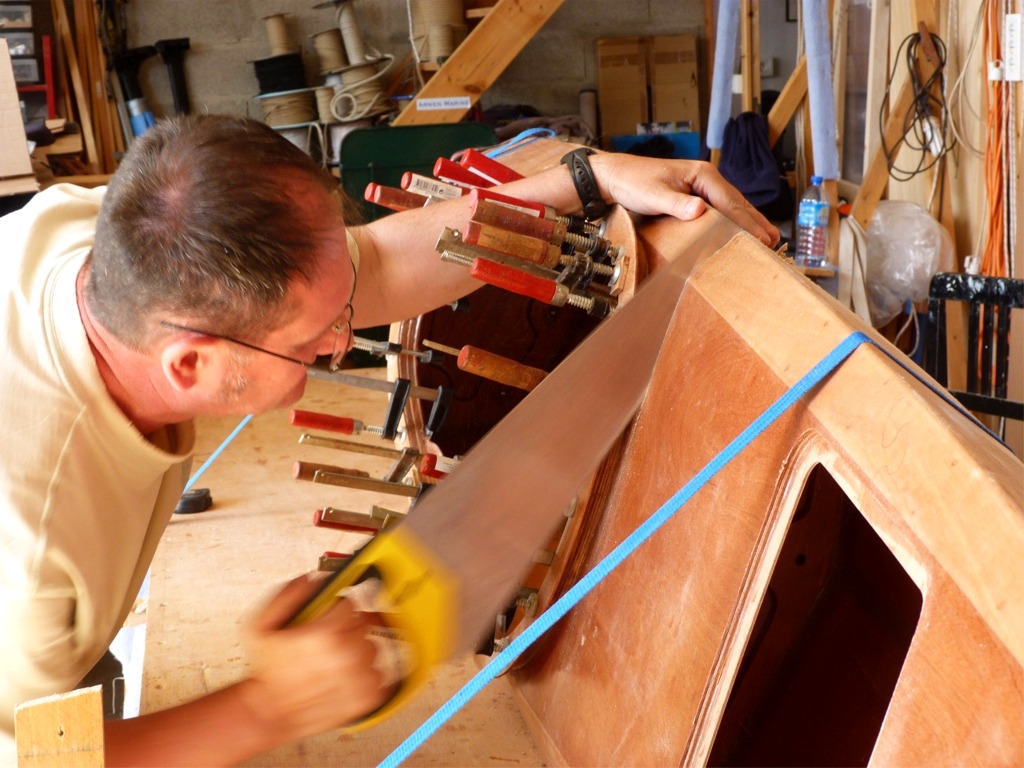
(816, 180)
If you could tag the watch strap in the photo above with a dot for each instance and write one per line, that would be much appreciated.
(594, 206)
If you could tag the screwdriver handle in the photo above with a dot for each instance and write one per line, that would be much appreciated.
(326, 422)
(500, 369)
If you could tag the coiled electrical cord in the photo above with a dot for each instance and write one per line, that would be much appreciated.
(926, 126)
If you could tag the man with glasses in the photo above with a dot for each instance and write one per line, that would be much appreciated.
(214, 269)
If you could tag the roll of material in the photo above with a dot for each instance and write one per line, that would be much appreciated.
(355, 47)
(284, 72)
(324, 95)
(441, 39)
(330, 49)
(278, 34)
(360, 95)
(288, 109)
(438, 27)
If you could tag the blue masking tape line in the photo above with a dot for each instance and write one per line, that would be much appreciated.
(562, 606)
(216, 453)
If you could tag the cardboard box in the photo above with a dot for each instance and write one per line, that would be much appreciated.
(673, 79)
(621, 84)
(16, 175)
(647, 79)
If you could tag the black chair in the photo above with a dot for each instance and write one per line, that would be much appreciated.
(990, 303)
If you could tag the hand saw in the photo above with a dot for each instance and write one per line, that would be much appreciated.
(453, 565)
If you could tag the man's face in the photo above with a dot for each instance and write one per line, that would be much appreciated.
(260, 382)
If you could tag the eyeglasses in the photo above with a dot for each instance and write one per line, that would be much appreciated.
(342, 324)
(341, 327)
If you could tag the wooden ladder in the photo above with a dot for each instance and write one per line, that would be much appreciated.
(478, 61)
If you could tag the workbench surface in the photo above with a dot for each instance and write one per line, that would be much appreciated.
(215, 567)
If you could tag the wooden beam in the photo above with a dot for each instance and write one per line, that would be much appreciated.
(878, 73)
(476, 64)
(750, 54)
(65, 730)
(876, 175)
(790, 97)
(60, 18)
(840, 48)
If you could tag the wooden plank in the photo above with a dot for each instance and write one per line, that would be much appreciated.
(876, 175)
(829, 188)
(65, 730)
(81, 95)
(750, 54)
(790, 98)
(665, 639)
(483, 56)
(878, 74)
(100, 106)
(840, 46)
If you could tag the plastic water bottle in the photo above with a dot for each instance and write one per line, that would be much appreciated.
(812, 227)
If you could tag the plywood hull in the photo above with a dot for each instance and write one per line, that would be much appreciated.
(848, 590)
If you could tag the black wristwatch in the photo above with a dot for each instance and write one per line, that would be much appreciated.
(594, 206)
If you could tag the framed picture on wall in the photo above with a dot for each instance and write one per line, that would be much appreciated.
(791, 10)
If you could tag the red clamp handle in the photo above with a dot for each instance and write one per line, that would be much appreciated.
(394, 198)
(326, 422)
(489, 168)
(512, 279)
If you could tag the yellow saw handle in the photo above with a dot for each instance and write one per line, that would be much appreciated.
(421, 596)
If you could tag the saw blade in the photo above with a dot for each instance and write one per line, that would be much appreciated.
(488, 518)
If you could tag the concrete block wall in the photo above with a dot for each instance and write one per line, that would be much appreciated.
(227, 36)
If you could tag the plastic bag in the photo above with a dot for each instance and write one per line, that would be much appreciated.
(905, 246)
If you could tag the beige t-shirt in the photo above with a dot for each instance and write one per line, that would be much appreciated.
(85, 496)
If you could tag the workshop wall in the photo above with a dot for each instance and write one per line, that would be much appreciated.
(226, 37)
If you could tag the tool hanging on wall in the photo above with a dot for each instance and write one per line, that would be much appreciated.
(127, 64)
(172, 53)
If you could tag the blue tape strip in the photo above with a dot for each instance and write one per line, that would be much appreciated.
(562, 606)
(218, 452)
(523, 137)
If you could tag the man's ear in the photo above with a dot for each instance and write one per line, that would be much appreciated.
(195, 364)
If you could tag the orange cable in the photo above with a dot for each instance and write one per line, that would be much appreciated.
(994, 258)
